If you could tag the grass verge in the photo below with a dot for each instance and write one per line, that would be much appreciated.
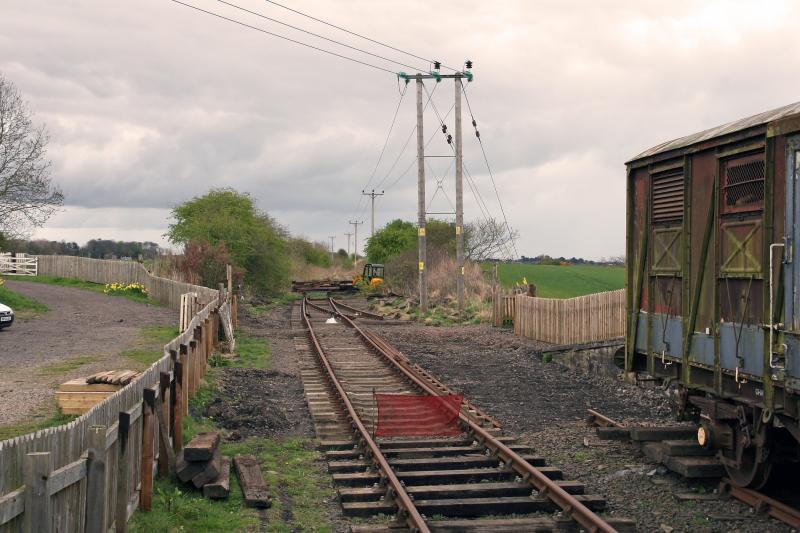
(152, 340)
(14, 430)
(262, 309)
(300, 488)
(23, 306)
(66, 365)
(89, 286)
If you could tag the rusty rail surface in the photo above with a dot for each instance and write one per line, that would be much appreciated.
(763, 504)
(600, 420)
(408, 510)
(529, 474)
(356, 310)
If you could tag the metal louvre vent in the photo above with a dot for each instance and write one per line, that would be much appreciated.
(744, 184)
(668, 196)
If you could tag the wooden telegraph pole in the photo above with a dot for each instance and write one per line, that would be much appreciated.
(355, 224)
(422, 244)
(459, 202)
(372, 196)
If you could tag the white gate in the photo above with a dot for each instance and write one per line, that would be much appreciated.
(19, 265)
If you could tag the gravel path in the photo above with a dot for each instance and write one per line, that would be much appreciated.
(80, 323)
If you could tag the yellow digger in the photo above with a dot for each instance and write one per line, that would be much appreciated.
(372, 275)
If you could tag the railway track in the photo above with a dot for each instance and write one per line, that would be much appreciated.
(482, 480)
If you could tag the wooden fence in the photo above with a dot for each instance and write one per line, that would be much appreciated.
(91, 474)
(18, 265)
(590, 318)
(166, 291)
(503, 307)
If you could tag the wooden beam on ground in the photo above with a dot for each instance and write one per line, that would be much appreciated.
(253, 487)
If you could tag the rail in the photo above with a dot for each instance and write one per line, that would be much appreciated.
(397, 491)
(529, 474)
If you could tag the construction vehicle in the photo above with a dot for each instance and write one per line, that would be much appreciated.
(372, 275)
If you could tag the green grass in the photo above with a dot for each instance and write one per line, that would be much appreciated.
(87, 285)
(14, 430)
(554, 281)
(23, 306)
(253, 352)
(152, 339)
(66, 365)
(289, 466)
(260, 310)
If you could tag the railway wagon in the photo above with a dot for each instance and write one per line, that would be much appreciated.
(713, 281)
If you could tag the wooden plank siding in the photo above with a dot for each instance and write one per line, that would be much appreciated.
(590, 318)
(69, 507)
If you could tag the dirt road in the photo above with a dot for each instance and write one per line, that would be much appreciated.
(83, 332)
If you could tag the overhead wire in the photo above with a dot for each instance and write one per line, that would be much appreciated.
(316, 34)
(289, 39)
(355, 34)
(471, 182)
(489, 168)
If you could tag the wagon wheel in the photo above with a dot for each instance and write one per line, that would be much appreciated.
(755, 465)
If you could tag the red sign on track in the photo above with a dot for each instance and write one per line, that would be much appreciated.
(403, 415)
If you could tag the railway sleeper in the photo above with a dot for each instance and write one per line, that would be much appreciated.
(428, 492)
(498, 525)
(441, 463)
(473, 507)
(432, 477)
(440, 451)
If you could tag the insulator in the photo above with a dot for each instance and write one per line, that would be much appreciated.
(444, 128)
(474, 124)
(477, 134)
(469, 64)
(449, 139)
(437, 65)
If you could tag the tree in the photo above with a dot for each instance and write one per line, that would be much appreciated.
(391, 240)
(28, 196)
(255, 242)
(487, 239)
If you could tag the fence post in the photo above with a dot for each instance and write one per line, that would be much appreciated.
(148, 447)
(178, 408)
(123, 473)
(164, 389)
(96, 481)
(183, 354)
(37, 469)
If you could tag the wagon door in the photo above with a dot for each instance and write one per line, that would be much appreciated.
(791, 270)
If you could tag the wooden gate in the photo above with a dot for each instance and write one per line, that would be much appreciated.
(18, 265)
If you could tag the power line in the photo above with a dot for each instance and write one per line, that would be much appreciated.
(315, 34)
(386, 142)
(213, 14)
(485, 212)
(355, 34)
(489, 168)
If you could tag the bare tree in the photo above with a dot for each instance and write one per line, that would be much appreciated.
(28, 196)
(488, 238)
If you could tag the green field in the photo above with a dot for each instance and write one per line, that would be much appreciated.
(554, 281)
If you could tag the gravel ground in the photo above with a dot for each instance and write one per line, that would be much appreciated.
(545, 404)
(80, 323)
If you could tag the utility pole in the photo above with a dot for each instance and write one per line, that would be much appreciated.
(332, 238)
(372, 195)
(355, 224)
(422, 244)
(423, 281)
(459, 202)
(348, 242)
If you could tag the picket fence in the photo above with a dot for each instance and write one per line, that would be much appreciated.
(590, 318)
(91, 474)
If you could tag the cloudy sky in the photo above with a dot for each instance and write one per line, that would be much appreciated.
(149, 103)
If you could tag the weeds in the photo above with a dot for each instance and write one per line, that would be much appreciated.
(14, 430)
(66, 365)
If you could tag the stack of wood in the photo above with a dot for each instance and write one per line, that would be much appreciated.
(201, 463)
(113, 377)
(77, 396)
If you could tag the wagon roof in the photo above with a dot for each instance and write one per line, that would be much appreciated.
(731, 127)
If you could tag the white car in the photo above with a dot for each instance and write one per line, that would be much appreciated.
(6, 316)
